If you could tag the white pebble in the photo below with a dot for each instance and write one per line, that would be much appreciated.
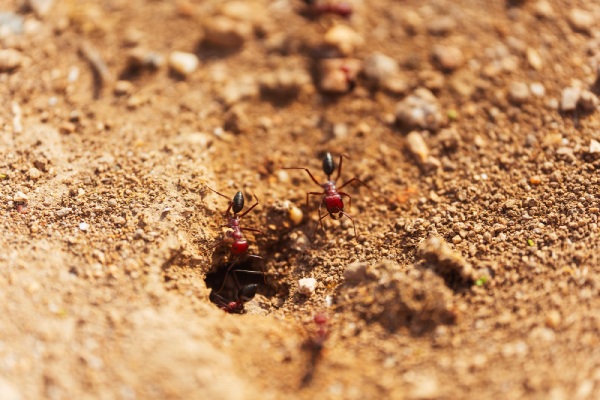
(569, 99)
(20, 197)
(84, 226)
(594, 146)
(183, 63)
(537, 89)
(307, 286)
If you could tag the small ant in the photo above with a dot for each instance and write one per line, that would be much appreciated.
(315, 344)
(239, 247)
(245, 294)
(332, 197)
(341, 8)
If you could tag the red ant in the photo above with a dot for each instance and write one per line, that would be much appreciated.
(239, 247)
(341, 8)
(245, 294)
(315, 344)
(332, 197)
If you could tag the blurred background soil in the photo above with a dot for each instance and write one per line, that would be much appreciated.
(474, 273)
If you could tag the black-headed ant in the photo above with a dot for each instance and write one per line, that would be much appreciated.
(332, 197)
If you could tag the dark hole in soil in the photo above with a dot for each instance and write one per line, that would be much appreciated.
(228, 278)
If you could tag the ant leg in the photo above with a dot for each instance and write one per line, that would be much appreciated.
(320, 224)
(218, 299)
(253, 230)
(314, 194)
(353, 224)
(222, 195)
(349, 197)
(250, 209)
(308, 172)
(227, 273)
(355, 179)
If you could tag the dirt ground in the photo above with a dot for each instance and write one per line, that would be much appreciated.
(475, 270)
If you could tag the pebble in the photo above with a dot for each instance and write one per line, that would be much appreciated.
(10, 59)
(10, 23)
(441, 25)
(447, 58)
(518, 93)
(307, 286)
(285, 81)
(537, 89)
(569, 98)
(139, 57)
(337, 74)
(343, 38)
(419, 110)
(553, 319)
(295, 214)
(417, 146)
(588, 100)
(543, 9)
(384, 72)
(84, 226)
(534, 59)
(221, 31)
(183, 63)
(40, 7)
(123, 88)
(594, 147)
(20, 197)
(581, 20)
(35, 173)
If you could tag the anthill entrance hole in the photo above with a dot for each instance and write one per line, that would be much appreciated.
(232, 281)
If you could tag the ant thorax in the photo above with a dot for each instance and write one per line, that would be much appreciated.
(329, 188)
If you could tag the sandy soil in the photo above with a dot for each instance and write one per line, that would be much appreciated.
(475, 272)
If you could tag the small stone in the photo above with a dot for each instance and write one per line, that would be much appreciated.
(581, 20)
(534, 59)
(67, 128)
(384, 72)
(417, 146)
(456, 239)
(34, 173)
(10, 23)
(343, 38)
(295, 214)
(141, 58)
(553, 319)
(419, 110)
(10, 59)
(441, 25)
(337, 75)
(537, 89)
(356, 273)
(535, 180)
(285, 82)
(588, 100)
(119, 220)
(543, 9)
(221, 31)
(64, 211)
(84, 226)
(594, 147)
(20, 197)
(448, 58)
(40, 7)
(183, 63)
(307, 286)
(123, 88)
(518, 93)
(569, 98)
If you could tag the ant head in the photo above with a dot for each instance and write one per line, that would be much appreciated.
(248, 292)
(328, 164)
(238, 202)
